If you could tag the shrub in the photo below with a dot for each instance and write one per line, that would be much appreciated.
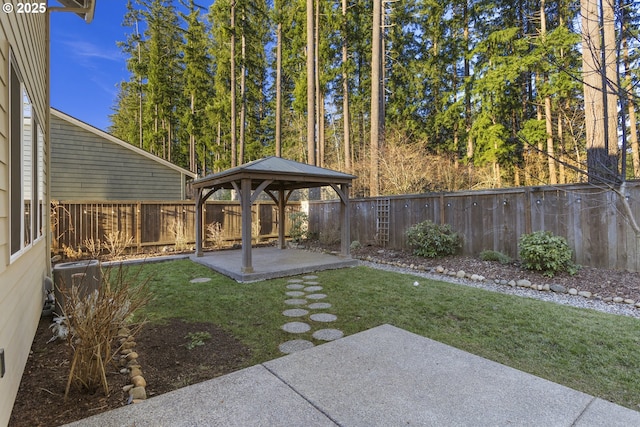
(494, 256)
(542, 251)
(432, 240)
(355, 245)
(299, 226)
(215, 234)
(91, 324)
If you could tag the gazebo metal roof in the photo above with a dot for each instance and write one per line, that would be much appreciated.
(278, 178)
(285, 173)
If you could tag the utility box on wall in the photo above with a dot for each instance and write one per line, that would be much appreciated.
(86, 275)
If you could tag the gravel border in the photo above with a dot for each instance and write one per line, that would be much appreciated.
(558, 298)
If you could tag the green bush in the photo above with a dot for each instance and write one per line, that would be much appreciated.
(299, 226)
(542, 251)
(495, 256)
(432, 240)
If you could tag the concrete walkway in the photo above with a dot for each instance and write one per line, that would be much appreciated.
(381, 377)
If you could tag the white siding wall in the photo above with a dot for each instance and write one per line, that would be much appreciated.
(20, 279)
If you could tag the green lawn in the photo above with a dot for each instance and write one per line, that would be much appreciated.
(593, 352)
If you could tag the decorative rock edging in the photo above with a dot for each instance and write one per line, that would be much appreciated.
(520, 283)
(129, 363)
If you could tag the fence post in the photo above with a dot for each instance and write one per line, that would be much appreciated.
(139, 226)
(527, 211)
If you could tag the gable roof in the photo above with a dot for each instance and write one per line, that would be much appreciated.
(117, 141)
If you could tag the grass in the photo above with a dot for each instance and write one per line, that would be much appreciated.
(593, 352)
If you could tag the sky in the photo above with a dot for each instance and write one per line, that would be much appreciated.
(86, 64)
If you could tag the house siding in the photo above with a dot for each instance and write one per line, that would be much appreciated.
(23, 37)
(90, 165)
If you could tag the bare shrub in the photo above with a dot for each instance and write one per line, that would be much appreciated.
(71, 253)
(179, 233)
(94, 247)
(215, 234)
(92, 323)
(330, 236)
(116, 242)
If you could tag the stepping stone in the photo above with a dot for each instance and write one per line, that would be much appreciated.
(323, 317)
(294, 286)
(200, 280)
(309, 277)
(296, 327)
(319, 305)
(311, 283)
(295, 301)
(295, 294)
(328, 334)
(295, 312)
(294, 345)
(295, 280)
(316, 296)
(313, 288)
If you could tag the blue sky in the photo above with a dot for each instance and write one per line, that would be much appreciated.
(86, 64)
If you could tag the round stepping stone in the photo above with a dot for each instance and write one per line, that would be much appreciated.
(316, 296)
(309, 277)
(319, 305)
(295, 286)
(311, 283)
(295, 312)
(295, 294)
(200, 280)
(296, 327)
(295, 280)
(323, 317)
(328, 334)
(295, 301)
(313, 288)
(294, 345)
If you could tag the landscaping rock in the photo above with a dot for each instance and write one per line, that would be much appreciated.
(573, 291)
(460, 274)
(138, 393)
(558, 288)
(629, 301)
(618, 299)
(511, 283)
(131, 356)
(138, 381)
(135, 371)
(523, 283)
(585, 294)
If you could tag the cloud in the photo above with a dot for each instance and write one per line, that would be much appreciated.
(84, 50)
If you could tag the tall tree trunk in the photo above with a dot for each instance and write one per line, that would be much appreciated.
(279, 90)
(192, 139)
(547, 105)
(234, 143)
(311, 113)
(376, 61)
(243, 95)
(631, 104)
(346, 121)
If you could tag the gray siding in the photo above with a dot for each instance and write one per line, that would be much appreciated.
(86, 166)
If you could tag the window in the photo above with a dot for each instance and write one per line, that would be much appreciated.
(26, 167)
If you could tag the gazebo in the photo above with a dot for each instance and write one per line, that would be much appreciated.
(278, 178)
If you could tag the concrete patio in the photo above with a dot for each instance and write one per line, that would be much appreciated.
(271, 262)
(385, 376)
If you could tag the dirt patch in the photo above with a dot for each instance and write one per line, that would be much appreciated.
(167, 364)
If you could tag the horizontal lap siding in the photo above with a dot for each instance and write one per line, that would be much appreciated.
(88, 167)
(593, 220)
(21, 279)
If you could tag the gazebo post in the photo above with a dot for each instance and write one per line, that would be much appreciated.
(345, 223)
(245, 202)
(199, 205)
(281, 219)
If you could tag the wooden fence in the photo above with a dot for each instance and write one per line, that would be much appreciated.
(153, 224)
(593, 220)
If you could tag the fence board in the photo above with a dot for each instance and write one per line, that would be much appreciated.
(155, 223)
(593, 220)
